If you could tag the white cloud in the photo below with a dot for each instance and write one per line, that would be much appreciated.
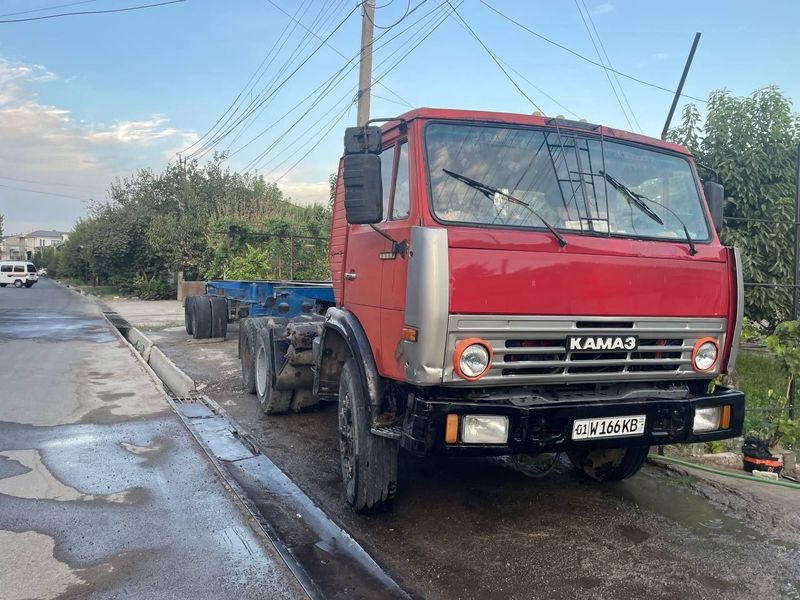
(601, 9)
(305, 192)
(43, 143)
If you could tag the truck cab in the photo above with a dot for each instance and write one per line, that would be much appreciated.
(508, 284)
(528, 284)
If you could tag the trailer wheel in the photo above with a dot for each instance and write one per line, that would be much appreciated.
(609, 464)
(201, 318)
(219, 316)
(247, 342)
(369, 462)
(273, 402)
(18, 283)
(188, 314)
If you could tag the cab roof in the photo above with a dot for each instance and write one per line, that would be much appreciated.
(541, 121)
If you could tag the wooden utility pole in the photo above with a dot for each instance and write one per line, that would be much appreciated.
(365, 64)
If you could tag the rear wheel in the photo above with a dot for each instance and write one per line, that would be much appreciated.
(201, 318)
(272, 401)
(369, 462)
(247, 342)
(188, 314)
(609, 464)
(219, 316)
(18, 283)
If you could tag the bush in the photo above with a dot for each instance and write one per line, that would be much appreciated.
(151, 289)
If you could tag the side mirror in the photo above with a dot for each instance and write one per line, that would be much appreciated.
(715, 196)
(363, 189)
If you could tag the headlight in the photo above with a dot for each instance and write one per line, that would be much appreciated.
(472, 358)
(705, 355)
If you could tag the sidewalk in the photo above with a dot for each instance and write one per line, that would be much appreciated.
(103, 492)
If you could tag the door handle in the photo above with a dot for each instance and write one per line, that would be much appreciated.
(351, 275)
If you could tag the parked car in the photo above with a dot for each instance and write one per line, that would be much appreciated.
(42, 272)
(18, 273)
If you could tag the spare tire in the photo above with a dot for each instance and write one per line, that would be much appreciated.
(219, 316)
(201, 318)
(188, 313)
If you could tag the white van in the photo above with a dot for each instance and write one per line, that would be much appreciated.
(17, 273)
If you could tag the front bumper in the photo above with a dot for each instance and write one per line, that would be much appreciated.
(548, 427)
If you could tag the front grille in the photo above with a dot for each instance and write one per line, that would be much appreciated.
(534, 349)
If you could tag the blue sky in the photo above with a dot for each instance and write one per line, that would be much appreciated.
(86, 99)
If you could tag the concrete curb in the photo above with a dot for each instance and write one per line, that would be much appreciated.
(176, 380)
(143, 344)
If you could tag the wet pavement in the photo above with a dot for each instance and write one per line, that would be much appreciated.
(480, 528)
(103, 492)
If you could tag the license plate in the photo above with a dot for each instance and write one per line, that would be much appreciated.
(588, 429)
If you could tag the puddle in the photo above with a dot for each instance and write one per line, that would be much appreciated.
(51, 327)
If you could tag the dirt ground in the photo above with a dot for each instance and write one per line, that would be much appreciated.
(480, 528)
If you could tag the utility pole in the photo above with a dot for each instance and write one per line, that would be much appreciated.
(365, 64)
(679, 91)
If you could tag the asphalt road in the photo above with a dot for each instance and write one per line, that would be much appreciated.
(479, 528)
(103, 492)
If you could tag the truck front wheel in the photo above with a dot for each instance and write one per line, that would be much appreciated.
(609, 464)
(369, 462)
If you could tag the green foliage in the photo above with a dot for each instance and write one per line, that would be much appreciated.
(785, 342)
(752, 143)
(752, 331)
(204, 220)
(764, 381)
(154, 288)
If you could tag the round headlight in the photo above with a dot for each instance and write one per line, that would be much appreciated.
(471, 359)
(705, 355)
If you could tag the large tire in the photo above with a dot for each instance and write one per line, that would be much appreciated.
(219, 316)
(273, 402)
(368, 461)
(18, 283)
(201, 318)
(609, 464)
(247, 343)
(188, 314)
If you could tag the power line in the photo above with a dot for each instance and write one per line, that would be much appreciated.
(494, 58)
(605, 70)
(376, 26)
(27, 12)
(343, 56)
(93, 12)
(19, 189)
(608, 60)
(585, 58)
(538, 89)
(47, 183)
(258, 104)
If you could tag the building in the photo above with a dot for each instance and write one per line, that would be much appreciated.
(25, 246)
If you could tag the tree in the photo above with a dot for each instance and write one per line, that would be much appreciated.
(2, 221)
(752, 143)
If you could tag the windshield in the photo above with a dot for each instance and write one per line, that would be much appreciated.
(564, 178)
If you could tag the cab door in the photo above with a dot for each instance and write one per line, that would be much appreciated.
(362, 266)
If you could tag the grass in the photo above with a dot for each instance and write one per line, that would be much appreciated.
(763, 380)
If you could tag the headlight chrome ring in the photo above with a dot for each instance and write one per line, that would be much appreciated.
(472, 358)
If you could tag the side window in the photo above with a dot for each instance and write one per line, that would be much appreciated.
(400, 205)
(5, 269)
(19, 269)
(387, 162)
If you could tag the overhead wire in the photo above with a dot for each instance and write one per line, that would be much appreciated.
(605, 69)
(376, 26)
(407, 48)
(278, 87)
(404, 101)
(493, 57)
(35, 10)
(46, 183)
(92, 12)
(586, 58)
(45, 193)
(333, 81)
(608, 61)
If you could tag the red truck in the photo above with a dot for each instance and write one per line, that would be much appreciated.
(507, 284)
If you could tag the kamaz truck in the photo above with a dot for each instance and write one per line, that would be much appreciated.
(508, 284)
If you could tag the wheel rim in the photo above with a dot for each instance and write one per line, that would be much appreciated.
(261, 372)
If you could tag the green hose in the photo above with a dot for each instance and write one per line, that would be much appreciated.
(677, 461)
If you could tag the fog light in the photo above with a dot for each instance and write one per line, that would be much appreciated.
(484, 429)
(706, 419)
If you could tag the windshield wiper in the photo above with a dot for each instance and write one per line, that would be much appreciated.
(490, 192)
(640, 200)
